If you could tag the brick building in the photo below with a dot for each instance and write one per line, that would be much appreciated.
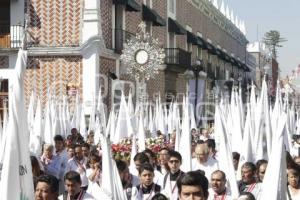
(77, 44)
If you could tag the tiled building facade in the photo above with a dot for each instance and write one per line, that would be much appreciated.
(64, 51)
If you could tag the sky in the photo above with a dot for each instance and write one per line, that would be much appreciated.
(261, 16)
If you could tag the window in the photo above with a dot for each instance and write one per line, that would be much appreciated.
(172, 8)
(149, 27)
(118, 24)
(227, 74)
(189, 47)
(209, 57)
(117, 87)
(199, 53)
(171, 40)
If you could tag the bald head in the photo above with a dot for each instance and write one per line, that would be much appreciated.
(202, 152)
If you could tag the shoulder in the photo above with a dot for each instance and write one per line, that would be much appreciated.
(157, 173)
(212, 162)
(134, 180)
(211, 192)
(195, 161)
(57, 158)
(157, 188)
(71, 160)
(166, 175)
(87, 196)
(258, 185)
(85, 160)
(134, 191)
(89, 171)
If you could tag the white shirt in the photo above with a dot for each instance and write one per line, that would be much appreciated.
(209, 167)
(164, 171)
(295, 196)
(135, 181)
(85, 197)
(97, 178)
(254, 188)
(171, 189)
(213, 196)
(74, 166)
(158, 178)
(138, 195)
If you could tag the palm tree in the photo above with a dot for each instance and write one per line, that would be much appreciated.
(272, 40)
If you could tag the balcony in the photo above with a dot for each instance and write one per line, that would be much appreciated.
(120, 37)
(11, 36)
(178, 59)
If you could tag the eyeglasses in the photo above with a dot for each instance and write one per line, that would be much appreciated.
(174, 161)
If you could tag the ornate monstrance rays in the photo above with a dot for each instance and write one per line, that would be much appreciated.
(142, 55)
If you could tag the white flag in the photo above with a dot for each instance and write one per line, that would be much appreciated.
(274, 183)
(30, 113)
(36, 137)
(185, 141)
(111, 182)
(124, 128)
(141, 134)
(16, 178)
(82, 128)
(48, 130)
(225, 155)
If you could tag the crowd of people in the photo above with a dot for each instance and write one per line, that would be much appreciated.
(66, 169)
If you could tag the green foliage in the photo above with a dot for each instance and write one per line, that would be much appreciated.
(273, 41)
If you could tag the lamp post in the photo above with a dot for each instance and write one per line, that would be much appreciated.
(196, 69)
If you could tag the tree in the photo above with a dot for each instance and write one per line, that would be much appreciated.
(273, 40)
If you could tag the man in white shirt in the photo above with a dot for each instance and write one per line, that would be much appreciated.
(170, 188)
(249, 182)
(79, 164)
(74, 191)
(163, 161)
(218, 190)
(50, 162)
(203, 161)
(158, 177)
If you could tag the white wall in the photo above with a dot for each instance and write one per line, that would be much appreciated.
(91, 28)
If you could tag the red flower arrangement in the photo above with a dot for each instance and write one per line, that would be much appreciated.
(122, 150)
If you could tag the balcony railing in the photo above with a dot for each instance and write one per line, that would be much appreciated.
(11, 36)
(179, 57)
(119, 38)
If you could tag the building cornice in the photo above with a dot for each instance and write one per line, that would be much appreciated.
(94, 44)
(212, 13)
